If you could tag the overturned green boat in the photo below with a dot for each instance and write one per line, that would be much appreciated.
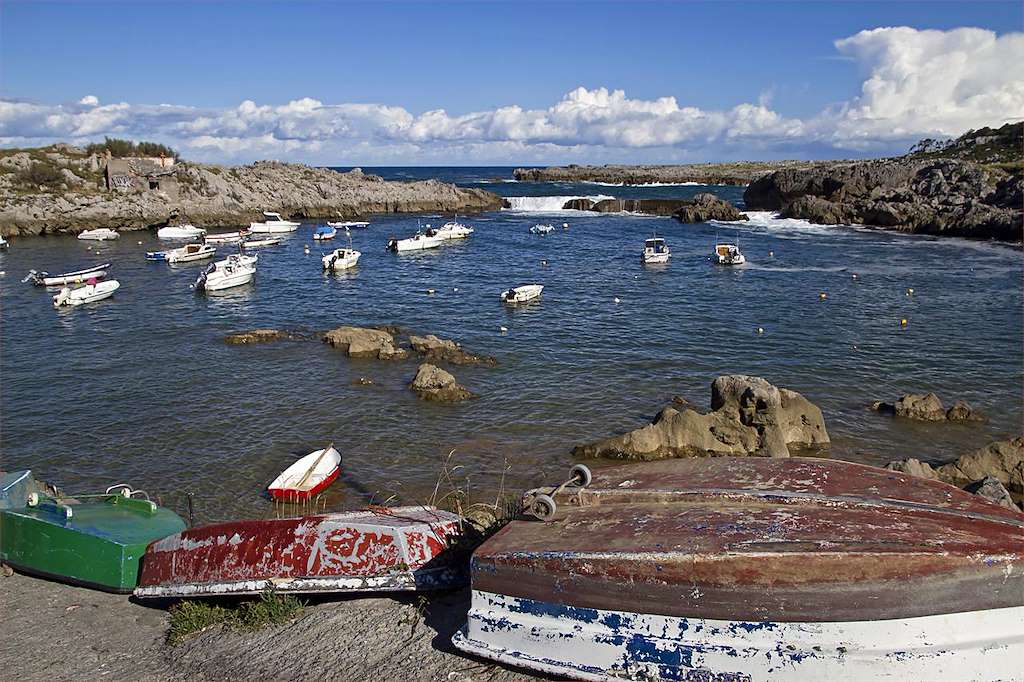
(95, 542)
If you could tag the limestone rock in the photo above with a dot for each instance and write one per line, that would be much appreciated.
(360, 342)
(992, 489)
(914, 467)
(257, 336)
(706, 206)
(962, 412)
(433, 383)
(923, 407)
(1001, 460)
(436, 349)
(749, 416)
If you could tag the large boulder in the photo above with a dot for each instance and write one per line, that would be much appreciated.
(360, 342)
(706, 206)
(433, 383)
(436, 349)
(928, 407)
(749, 416)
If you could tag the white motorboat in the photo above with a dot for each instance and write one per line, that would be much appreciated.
(541, 229)
(453, 230)
(180, 232)
(190, 253)
(325, 232)
(3, 242)
(349, 224)
(655, 251)
(729, 254)
(99, 235)
(77, 277)
(93, 291)
(273, 223)
(258, 243)
(226, 237)
(417, 242)
(233, 271)
(522, 294)
(340, 259)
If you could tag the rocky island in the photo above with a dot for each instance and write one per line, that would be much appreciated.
(62, 188)
(736, 173)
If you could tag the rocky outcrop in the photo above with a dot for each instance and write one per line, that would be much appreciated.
(433, 383)
(1001, 460)
(928, 196)
(220, 196)
(436, 349)
(749, 416)
(258, 336)
(706, 206)
(928, 407)
(739, 173)
(361, 342)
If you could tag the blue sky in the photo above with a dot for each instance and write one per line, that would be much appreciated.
(474, 57)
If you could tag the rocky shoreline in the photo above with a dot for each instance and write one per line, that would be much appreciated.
(737, 173)
(208, 195)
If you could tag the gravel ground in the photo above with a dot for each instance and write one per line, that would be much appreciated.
(57, 632)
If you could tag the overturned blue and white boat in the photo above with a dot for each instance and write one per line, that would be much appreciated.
(753, 569)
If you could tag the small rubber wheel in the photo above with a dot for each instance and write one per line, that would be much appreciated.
(580, 473)
(543, 507)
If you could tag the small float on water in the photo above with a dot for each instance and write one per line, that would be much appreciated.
(655, 251)
(308, 476)
(234, 271)
(93, 291)
(77, 277)
(729, 254)
(418, 242)
(522, 294)
(349, 224)
(96, 541)
(100, 234)
(742, 568)
(324, 232)
(379, 549)
(541, 229)
(180, 232)
(273, 223)
(226, 237)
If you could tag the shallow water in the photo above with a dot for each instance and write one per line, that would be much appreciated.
(141, 388)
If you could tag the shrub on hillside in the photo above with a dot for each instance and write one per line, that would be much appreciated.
(119, 148)
(39, 174)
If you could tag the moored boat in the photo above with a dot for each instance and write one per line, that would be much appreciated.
(180, 232)
(100, 234)
(349, 224)
(77, 277)
(323, 232)
(189, 253)
(97, 542)
(655, 251)
(417, 242)
(541, 229)
(729, 254)
(453, 230)
(226, 237)
(307, 476)
(380, 549)
(90, 293)
(273, 223)
(340, 259)
(522, 294)
(259, 243)
(234, 271)
(753, 569)
(3, 242)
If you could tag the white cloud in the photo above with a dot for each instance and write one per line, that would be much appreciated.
(916, 83)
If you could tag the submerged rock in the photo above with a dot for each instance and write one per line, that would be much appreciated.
(749, 416)
(433, 383)
(258, 336)
(928, 407)
(436, 349)
(360, 342)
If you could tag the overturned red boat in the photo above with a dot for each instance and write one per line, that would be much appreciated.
(379, 549)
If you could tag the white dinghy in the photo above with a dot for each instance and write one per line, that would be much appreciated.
(655, 251)
(101, 234)
(190, 253)
(522, 294)
(234, 271)
(41, 279)
(259, 243)
(226, 237)
(340, 259)
(349, 224)
(307, 476)
(273, 223)
(453, 230)
(180, 232)
(541, 229)
(417, 242)
(93, 291)
(3, 242)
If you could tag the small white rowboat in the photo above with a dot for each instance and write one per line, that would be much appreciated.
(308, 476)
(77, 277)
(258, 243)
(226, 237)
(527, 292)
(99, 235)
(87, 294)
(180, 232)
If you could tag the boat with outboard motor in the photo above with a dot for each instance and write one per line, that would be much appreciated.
(340, 259)
(93, 291)
(729, 254)
(41, 279)
(234, 271)
(453, 230)
(100, 234)
(750, 568)
(180, 232)
(418, 242)
(655, 251)
(273, 223)
(324, 232)
(190, 253)
(522, 294)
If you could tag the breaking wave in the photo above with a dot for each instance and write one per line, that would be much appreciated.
(547, 204)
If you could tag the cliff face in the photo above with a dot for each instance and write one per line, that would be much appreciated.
(740, 173)
(942, 197)
(211, 196)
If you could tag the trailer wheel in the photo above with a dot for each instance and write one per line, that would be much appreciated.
(543, 507)
(580, 473)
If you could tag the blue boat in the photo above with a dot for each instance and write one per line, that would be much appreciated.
(14, 489)
(156, 255)
(323, 232)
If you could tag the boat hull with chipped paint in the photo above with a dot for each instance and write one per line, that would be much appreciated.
(380, 549)
(755, 569)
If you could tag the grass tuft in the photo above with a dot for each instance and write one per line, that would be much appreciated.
(189, 618)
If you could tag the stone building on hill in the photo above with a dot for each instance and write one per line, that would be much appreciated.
(142, 174)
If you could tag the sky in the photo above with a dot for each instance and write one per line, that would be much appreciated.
(509, 83)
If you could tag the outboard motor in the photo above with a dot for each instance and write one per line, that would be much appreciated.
(392, 244)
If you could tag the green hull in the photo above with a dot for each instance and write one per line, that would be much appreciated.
(97, 543)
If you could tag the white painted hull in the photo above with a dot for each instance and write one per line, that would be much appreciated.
(100, 235)
(736, 260)
(541, 229)
(225, 238)
(219, 280)
(345, 225)
(184, 255)
(273, 228)
(593, 644)
(343, 261)
(79, 277)
(653, 258)
(453, 231)
(257, 243)
(321, 236)
(523, 294)
(414, 244)
(180, 232)
(87, 294)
